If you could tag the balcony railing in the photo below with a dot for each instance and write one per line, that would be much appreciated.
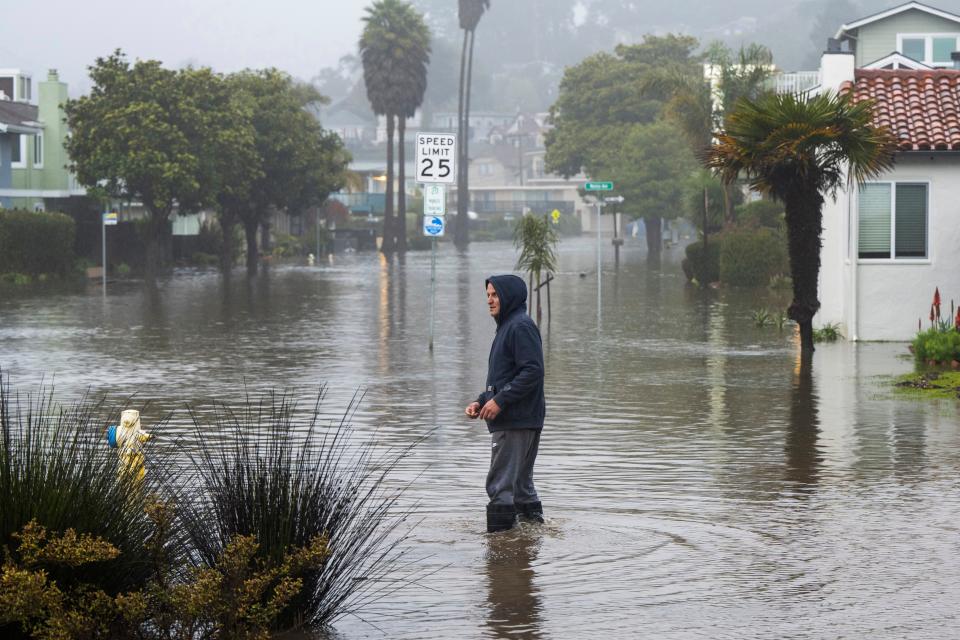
(795, 81)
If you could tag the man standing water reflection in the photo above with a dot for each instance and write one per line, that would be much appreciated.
(512, 405)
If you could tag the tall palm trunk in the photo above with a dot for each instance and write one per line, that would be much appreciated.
(804, 216)
(461, 232)
(388, 245)
(401, 226)
(465, 161)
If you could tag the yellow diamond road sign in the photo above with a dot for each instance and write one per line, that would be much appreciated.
(556, 216)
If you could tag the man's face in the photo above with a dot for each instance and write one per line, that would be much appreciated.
(493, 301)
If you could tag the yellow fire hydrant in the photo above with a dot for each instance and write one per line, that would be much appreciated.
(130, 439)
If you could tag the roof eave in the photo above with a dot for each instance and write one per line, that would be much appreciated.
(856, 24)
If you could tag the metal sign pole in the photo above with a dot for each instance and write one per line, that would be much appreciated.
(599, 262)
(433, 285)
(103, 256)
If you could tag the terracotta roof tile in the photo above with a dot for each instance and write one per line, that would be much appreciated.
(920, 107)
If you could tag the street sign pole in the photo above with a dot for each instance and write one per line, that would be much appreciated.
(436, 166)
(106, 218)
(103, 255)
(433, 286)
(599, 264)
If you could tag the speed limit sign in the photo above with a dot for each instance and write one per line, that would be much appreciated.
(437, 158)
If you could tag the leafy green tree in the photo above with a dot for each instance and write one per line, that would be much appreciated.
(605, 93)
(299, 163)
(797, 151)
(150, 134)
(469, 13)
(650, 170)
(599, 118)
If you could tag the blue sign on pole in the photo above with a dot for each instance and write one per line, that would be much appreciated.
(433, 226)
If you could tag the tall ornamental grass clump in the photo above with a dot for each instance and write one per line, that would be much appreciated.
(275, 471)
(57, 471)
(35, 243)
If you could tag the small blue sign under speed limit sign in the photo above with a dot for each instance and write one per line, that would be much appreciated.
(437, 158)
(433, 226)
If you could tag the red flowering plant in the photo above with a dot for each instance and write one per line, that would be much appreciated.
(940, 344)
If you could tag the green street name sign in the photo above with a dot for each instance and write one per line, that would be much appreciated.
(598, 186)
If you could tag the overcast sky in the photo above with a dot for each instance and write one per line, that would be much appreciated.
(298, 36)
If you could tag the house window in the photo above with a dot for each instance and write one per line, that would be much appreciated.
(930, 48)
(893, 220)
(18, 154)
(38, 150)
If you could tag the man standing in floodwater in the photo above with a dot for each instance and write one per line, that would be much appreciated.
(513, 405)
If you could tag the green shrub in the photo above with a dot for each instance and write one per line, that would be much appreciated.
(749, 258)
(56, 469)
(239, 597)
(286, 246)
(703, 266)
(827, 333)
(18, 279)
(36, 242)
(937, 345)
(760, 214)
(123, 269)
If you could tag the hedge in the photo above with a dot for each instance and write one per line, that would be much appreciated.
(35, 243)
(750, 257)
(703, 266)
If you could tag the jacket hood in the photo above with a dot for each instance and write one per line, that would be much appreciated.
(512, 291)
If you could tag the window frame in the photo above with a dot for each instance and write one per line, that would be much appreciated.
(38, 146)
(928, 46)
(892, 259)
(22, 162)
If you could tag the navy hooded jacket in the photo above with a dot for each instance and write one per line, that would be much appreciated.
(515, 366)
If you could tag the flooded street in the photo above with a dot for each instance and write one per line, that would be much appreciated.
(696, 483)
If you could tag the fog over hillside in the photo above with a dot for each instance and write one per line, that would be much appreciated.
(522, 46)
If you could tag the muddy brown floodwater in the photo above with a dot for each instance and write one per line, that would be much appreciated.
(696, 483)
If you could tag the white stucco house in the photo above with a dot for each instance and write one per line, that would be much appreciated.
(887, 245)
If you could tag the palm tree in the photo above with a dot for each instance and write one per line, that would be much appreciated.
(380, 70)
(470, 12)
(537, 241)
(798, 151)
(413, 51)
(394, 50)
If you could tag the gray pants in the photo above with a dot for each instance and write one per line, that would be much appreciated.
(512, 454)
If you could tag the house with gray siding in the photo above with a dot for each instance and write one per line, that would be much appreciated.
(920, 32)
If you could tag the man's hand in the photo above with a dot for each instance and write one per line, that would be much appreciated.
(472, 410)
(489, 410)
